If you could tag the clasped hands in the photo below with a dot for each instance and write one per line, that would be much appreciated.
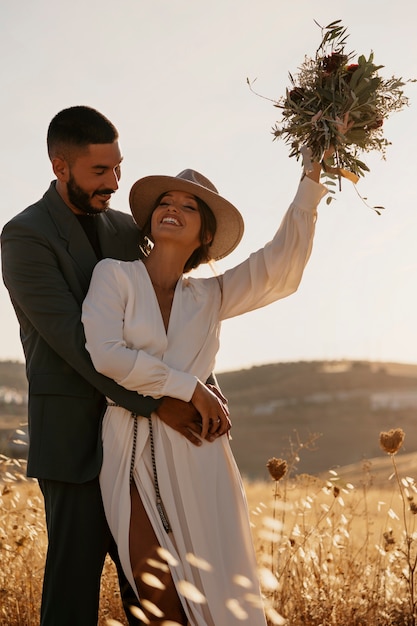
(205, 417)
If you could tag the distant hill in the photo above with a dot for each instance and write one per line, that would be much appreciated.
(277, 408)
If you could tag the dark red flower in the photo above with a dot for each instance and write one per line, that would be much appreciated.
(297, 94)
(377, 124)
(350, 71)
(332, 62)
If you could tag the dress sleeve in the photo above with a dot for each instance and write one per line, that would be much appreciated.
(275, 271)
(103, 317)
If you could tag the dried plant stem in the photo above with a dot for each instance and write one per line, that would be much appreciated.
(411, 561)
(276, 494)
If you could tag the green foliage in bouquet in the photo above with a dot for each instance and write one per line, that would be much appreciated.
(326, 89)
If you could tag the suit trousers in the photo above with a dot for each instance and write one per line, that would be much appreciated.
(78, 541)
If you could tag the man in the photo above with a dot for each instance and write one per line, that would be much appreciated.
(48, 255)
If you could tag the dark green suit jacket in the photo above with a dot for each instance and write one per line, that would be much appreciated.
(47, 262)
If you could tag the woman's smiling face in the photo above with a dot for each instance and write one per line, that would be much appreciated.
(177, 216)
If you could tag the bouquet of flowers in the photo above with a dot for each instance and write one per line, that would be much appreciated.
(331, 88)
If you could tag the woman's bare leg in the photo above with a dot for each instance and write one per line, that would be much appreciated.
(143, 546)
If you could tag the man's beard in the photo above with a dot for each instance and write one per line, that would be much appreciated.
(82, 200)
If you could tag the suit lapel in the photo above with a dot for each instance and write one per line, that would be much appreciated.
(73, 236)
(117, 235)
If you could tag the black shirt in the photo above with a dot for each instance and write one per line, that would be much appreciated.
(89, 224)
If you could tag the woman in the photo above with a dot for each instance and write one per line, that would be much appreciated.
(156, 331)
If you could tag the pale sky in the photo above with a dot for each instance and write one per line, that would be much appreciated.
(171, 75)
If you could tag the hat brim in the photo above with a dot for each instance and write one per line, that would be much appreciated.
(230, 226)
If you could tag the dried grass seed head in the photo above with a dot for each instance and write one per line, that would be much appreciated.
(391, 440)
(277, 468)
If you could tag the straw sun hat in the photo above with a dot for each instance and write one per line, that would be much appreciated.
(146, 191)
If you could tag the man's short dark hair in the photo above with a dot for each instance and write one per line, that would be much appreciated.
(77, 127)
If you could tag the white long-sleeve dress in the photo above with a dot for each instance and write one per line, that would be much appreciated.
(201, 487)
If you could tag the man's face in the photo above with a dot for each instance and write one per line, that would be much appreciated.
(92, 178)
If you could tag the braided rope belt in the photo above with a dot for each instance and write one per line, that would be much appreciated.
(159, 504)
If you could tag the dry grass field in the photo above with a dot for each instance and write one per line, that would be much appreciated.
(334, 550)
(336, 536)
